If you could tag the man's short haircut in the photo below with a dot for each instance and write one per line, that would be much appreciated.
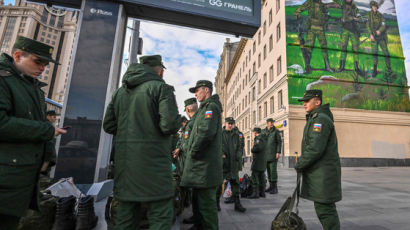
(23, 53)
(192, 107)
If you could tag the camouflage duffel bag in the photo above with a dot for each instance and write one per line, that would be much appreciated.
(40, 220)
(286, 219)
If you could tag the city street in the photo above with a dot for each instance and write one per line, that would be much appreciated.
(373, 199)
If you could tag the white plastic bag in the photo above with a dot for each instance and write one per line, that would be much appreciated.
(65, 187)
(228, 191)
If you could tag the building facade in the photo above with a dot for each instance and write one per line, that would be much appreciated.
(268, 74)
(53, 26)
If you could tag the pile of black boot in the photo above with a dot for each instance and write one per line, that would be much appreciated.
(67, 218)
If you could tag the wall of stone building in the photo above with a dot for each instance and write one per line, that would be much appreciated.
(365, 138)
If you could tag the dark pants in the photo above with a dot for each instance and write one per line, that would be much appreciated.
(272, 171)
(160, 214)
(258, 179)
(204, 206)
(327, 215)
(9, 222)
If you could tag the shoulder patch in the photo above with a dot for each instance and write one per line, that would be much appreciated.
(241, 135)
(317, 127)
(4, 73)
(208, 114)
(186, 134)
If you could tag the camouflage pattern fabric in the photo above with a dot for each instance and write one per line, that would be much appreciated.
(40, 220)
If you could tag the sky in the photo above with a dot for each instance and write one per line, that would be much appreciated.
(191, 55)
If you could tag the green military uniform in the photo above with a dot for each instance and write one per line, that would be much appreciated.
(376, 22)
(258, 164)
(143, 115)
(317, 19)
(351, 31)
(273, 146)
(320, 163)
(24, 133)
(242, 146)
(203, 166)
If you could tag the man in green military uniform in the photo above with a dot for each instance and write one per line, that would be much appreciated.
(351, 31)
(376, 26)
(320, 162)
(272, 150)
(24, 130)
(258, 164)
(203, 166)
(316, 26)
(242, 145)
(143, 115)
(232, 160)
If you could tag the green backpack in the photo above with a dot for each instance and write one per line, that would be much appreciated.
(286, 219)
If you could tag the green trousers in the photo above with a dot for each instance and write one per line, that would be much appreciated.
(327, 215)
(272, 171)
(160, 214)
(311, 36)
(355, 40)
(204, 207)
(9, 222)
(258, 179)
(375, 50)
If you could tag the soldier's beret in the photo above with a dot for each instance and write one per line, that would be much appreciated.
(309, 94)
(152, 60)
(201, 83)
(41, 50)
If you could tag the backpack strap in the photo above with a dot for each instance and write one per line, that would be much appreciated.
(295, 195)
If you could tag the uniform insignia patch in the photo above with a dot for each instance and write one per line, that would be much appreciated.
(240, 135)
(186, 134)
(208, 114)
(317, 127)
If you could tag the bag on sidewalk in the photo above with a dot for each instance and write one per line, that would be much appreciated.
(245, 186)
(286, 219)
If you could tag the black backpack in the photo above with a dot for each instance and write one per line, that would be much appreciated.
(245, 186)
(286, 219)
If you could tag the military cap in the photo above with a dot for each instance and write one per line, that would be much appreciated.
(201, 83)
(257, 129)
(309, 94)
(41, 50)
(230, 120)
(270, 120)
(183, 118)
(374, 3)
(190, 101)
(51, 113)
(152, 60)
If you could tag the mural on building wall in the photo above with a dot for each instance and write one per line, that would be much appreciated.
(351, 49)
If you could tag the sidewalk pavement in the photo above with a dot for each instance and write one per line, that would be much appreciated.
(373, 199)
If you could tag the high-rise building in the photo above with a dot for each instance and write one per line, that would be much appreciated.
(53, 26)
(369, 99)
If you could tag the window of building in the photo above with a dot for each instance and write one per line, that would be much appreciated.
(260, 113)
(270, 17)
(278, 32)
(271, 73)
(277, 6)
(249, 57)
(55, 37)
(60, 21)
(264, 28)
(43, 33)
(46, 78)
(41, 39)
(271, 43)
(264, 52)
(254, 116)
(44, 16)
(279, 65)
(259, 37)
(272, 104)
(253, 94)
(264, 81)
(249, 98)
(265, 109)
(49, 35)
(259, 86)
(259, 60)
(53, 20)
(254, 47)
(254, 68)
(53, 42)
(246, 101)
(5, 46)
(48, 41)
(280, 100)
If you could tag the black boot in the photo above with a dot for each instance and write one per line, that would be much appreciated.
(190, 220)
(238, 206)
(342, 65)
(270, 187)
(327, 66)
(374, 71)
(255, 193)
(218, 206)
(65, 219)
(195, 227)
(86, 218)
(262, 192)
(274, 188)
(229, 200)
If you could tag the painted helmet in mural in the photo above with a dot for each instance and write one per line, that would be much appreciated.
(374, 3)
